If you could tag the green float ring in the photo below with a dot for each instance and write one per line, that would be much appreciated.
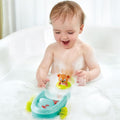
(63, 86)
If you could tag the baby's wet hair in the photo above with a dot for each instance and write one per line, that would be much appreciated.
(66, 9)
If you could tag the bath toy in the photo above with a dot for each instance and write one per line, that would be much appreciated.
(63, 112)
(28, 105)
(45, 107)
(63, 82)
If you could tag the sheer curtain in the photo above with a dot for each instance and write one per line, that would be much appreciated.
(98, 12)
(20, 14)
(9, 22)
(33, 12)
(101, 12)
(1, 20)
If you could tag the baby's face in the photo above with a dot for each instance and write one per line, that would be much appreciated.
(66, 32)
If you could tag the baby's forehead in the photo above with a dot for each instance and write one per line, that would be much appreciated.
(68, 24)
(63, 20)
(63, 28)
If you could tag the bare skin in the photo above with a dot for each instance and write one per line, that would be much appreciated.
(67, 52)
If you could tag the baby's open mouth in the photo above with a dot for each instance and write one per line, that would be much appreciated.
(65, 42)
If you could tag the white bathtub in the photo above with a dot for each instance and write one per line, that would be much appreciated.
(20, 55)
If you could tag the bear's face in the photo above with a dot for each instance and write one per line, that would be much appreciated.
(63, 78)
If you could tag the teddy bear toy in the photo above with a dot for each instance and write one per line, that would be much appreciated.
(63, 81)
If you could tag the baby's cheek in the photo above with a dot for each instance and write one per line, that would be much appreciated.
(57, 37)
(74, 37)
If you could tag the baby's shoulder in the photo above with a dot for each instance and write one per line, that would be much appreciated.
(52, 47)
(86, 48)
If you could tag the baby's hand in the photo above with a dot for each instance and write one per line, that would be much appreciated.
(82, 77)
(42, 83)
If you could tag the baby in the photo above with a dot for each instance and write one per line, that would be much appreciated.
(68, 55)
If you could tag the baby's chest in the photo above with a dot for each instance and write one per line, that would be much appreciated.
(68, 58)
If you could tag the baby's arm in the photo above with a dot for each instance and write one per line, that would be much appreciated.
(84, 76)
(43, 68)
(90, 59)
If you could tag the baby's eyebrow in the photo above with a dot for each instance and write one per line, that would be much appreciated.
(59, 30)
(56, 30)
(70, 30)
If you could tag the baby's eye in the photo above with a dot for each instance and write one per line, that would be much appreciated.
(70, 32)
(64, 79)
(60, 79)
(57, 32)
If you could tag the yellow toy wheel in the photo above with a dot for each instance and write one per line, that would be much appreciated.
(28, 104)
(63, 112)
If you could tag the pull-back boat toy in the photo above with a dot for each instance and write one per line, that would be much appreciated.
(45, 107)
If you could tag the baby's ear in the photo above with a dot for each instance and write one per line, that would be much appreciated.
(68, 76)
(81, 28)
(58, 75)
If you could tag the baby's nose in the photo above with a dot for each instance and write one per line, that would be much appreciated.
(63, 37)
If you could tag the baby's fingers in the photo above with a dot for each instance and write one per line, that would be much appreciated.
(47, 80)
(41, 84)
(81, 74)
(81, 82)
(78, 72)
